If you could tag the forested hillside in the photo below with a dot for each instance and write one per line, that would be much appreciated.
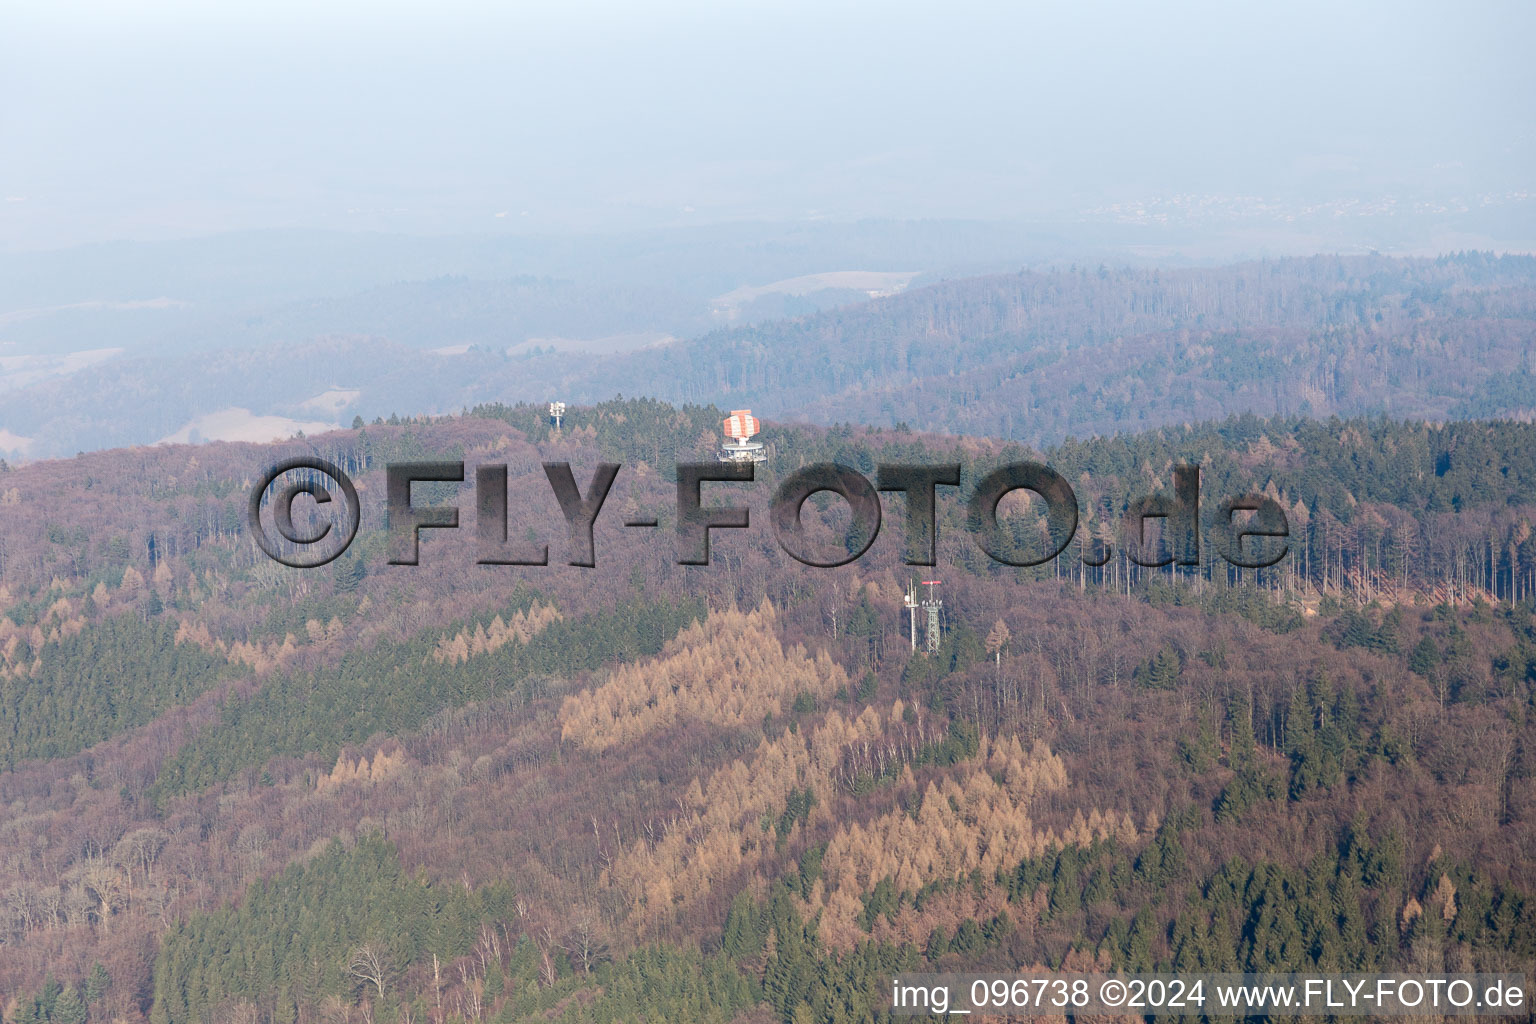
(1041, 355)
(457, 793)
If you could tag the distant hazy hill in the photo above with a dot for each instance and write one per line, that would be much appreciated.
(1034, 356)
(1038, 356)
(130, 342)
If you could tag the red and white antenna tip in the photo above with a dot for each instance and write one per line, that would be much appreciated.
(741, 424)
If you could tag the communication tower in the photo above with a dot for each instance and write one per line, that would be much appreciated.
(738, 445)
(556, 413)
(911, 604)
(932, 607)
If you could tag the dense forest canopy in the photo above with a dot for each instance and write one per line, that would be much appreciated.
(231, 791)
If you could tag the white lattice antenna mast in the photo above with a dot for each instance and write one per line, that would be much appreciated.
(911, 604)
(932, 605)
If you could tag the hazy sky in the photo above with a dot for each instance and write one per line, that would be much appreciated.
(166, 119)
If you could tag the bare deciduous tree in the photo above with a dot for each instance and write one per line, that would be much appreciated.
(997, 640)
(585, 945)
(107, 885)
(138, 850)
(367, 964)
